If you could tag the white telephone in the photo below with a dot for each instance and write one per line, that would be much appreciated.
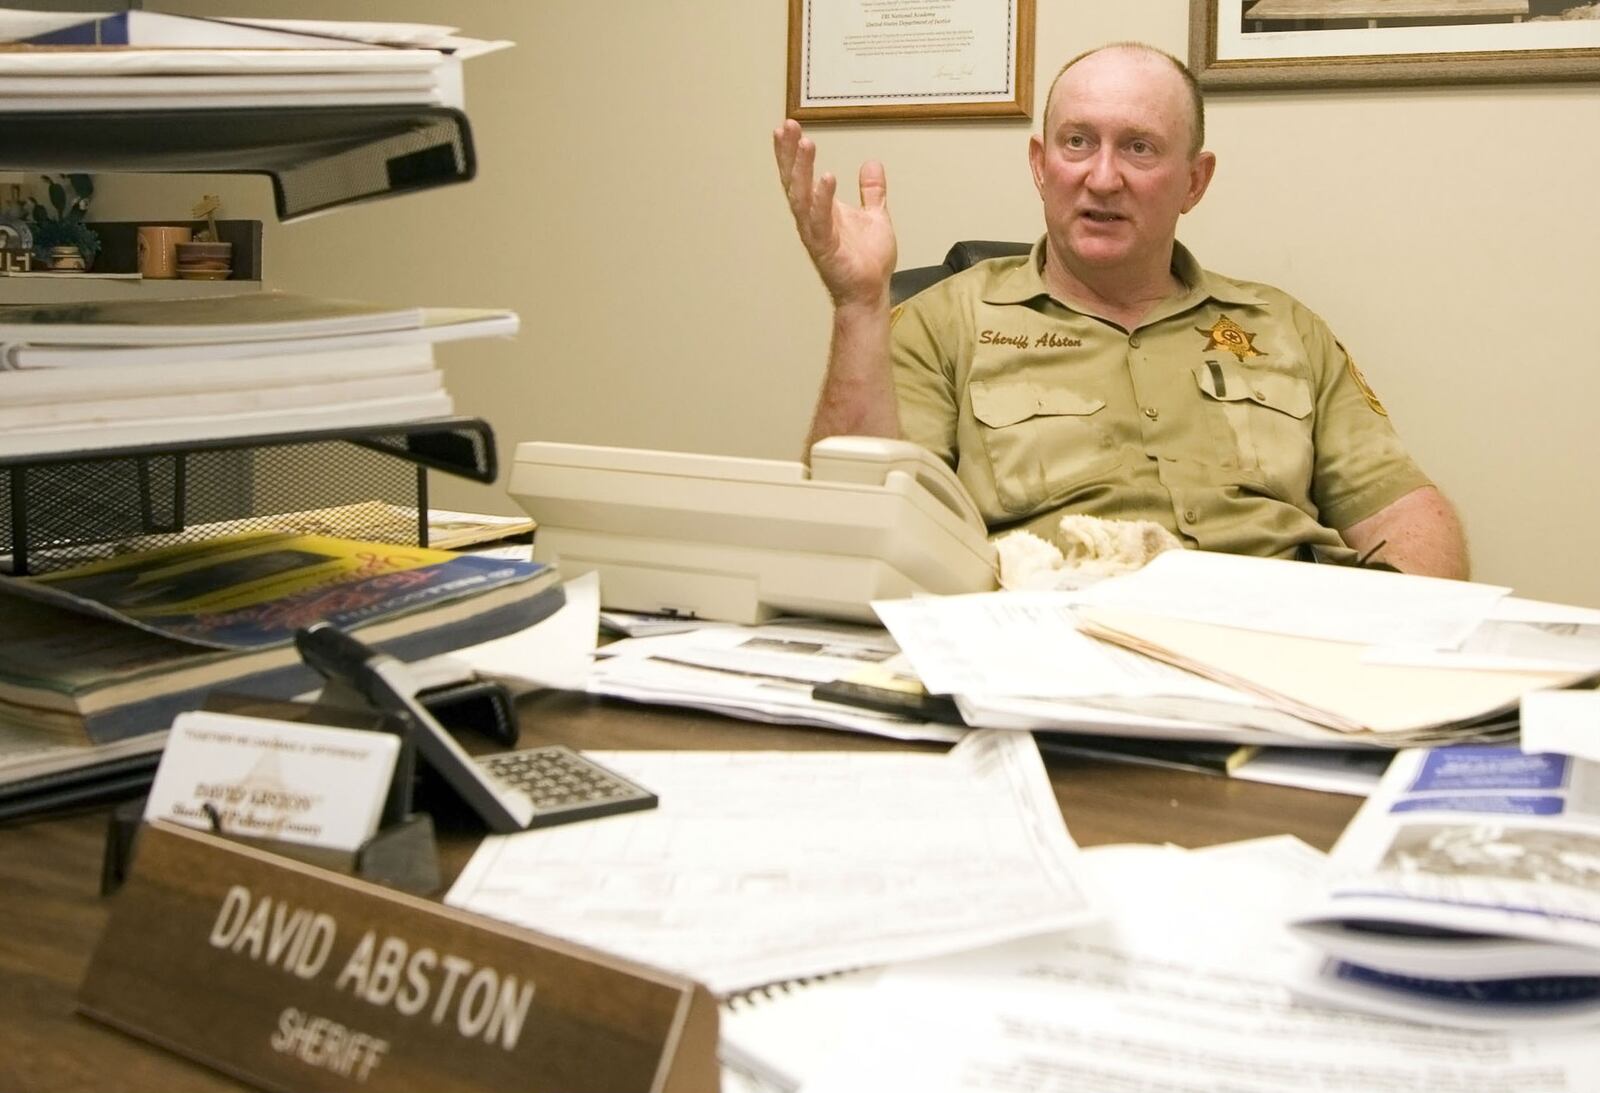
(869, 459)
(724, 537)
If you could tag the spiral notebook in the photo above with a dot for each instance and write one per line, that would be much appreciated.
(771, 1035)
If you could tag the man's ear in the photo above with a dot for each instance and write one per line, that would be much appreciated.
(1036, 162)
(1200, 172)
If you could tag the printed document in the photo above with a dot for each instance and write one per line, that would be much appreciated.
(761, 867)
(1182, 989)
(760, 673)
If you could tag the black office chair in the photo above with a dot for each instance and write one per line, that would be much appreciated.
(906, 283)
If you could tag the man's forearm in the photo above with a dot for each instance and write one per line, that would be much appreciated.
(1419, 533)
(857, 397)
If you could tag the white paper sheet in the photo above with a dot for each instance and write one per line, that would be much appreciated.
(1567, 722)
(1025, 644)
(1532, 637)
(766, 866)
(1179, 991)
(1333, 603)
(554, 652)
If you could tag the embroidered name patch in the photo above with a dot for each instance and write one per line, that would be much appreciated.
(1029, 341)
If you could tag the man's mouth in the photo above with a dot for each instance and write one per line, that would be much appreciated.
(1101, 217)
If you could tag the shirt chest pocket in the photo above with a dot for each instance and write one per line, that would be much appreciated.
(1042, 442)
(1263, 417)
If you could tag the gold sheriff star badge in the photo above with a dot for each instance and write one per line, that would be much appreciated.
(1229, 335)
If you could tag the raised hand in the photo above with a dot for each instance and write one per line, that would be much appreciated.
(853, 248)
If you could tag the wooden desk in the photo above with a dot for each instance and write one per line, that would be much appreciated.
(52, 913)
(1435, 11)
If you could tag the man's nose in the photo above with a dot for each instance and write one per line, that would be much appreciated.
(1104, 175)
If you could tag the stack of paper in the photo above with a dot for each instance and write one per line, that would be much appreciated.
(108, 374)
(1250, 649)
(1385, 656)
(760, 673)
(153, 61)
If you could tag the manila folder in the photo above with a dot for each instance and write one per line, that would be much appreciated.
(1323, 681)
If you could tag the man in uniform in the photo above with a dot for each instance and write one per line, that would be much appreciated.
(1107, 373)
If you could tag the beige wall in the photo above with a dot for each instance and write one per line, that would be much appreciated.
(626, 206)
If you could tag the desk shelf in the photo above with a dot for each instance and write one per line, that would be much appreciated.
(63, 509)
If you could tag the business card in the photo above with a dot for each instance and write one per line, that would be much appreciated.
(288, 780)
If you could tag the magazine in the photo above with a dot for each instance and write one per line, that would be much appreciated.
(1466, 891)
(80, 679)
(174, 623)
(255, 589)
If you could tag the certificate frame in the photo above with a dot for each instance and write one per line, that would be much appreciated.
(962, 59)
(1229, 49)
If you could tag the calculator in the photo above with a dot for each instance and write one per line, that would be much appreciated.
(565, 785)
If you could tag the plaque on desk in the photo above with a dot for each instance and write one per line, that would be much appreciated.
(294, 978)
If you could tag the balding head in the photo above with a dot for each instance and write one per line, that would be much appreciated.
(1184, 84)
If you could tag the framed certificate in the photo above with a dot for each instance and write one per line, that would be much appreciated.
(854, 60)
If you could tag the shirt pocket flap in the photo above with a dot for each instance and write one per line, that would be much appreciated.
(1226, 381)
(999, 405)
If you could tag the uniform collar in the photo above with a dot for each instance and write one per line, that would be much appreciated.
(1024, 282)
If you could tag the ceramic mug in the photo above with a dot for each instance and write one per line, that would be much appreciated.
(158, 250)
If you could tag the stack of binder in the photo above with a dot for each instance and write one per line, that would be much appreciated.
(76, 377)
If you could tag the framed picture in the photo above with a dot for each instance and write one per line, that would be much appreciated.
(864, 60)
(1340, 43)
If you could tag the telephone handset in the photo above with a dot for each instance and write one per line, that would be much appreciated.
(869, 459)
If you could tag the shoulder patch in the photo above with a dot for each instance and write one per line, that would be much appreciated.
(1361, 381)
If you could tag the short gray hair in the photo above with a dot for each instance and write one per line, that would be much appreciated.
(1197, 105)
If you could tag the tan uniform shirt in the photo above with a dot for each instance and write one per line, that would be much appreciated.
(1231, 416)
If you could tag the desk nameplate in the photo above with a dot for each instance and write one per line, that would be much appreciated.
(295, 978)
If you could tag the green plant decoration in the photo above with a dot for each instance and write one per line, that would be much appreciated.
(64, 226)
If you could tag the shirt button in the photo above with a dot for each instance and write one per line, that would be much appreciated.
(1151, 412)
(1188, 514)
(1133, 340)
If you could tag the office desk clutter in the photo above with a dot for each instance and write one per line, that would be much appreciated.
(1254, 650)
